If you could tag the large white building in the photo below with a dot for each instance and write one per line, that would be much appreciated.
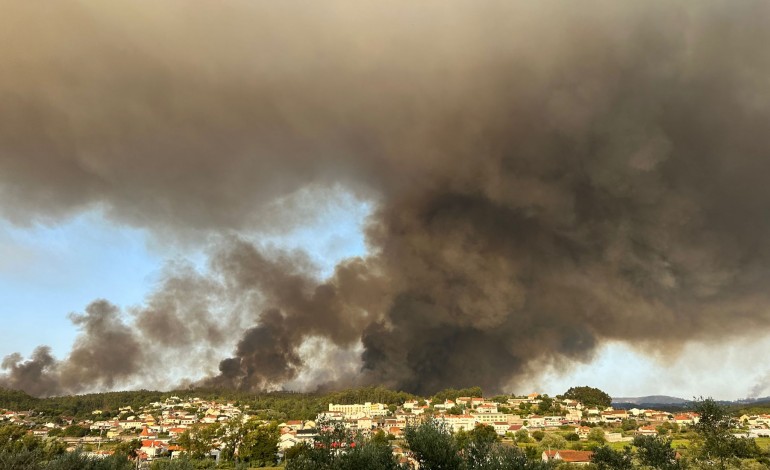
(359, 411)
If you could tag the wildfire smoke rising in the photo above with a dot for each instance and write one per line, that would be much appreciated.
(544, 178)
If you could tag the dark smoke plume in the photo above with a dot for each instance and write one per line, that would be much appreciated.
(545, 177)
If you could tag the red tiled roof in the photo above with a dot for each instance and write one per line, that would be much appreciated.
(571, 455)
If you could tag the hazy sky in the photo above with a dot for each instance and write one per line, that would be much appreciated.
(519, 195)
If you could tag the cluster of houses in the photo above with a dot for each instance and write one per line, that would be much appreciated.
(161, 423)
(156, 426)
(374, 417)
(475, 410)
(757, 425)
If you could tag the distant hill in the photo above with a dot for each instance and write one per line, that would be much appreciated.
(751, 406)
(651, 400)
(764, 401)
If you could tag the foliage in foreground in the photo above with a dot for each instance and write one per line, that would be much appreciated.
(432, 444)
(37, 460)
(338, 448)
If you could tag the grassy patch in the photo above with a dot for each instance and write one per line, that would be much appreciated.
(763, 442)
(680, 443)
(619, 445)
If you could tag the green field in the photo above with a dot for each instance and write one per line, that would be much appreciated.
(763, 442)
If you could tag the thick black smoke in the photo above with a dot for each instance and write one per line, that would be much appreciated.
(545, 177)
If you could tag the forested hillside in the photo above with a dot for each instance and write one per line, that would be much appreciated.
(272, 404)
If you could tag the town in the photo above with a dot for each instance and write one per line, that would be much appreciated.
(552, 429)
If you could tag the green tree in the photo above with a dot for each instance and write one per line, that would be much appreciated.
(482, 439)
(522, 436)
(452, 394)
(259, 446)
(606, 458)
(75, 431)
(295, 452)
(629, 424)
(79, 461)
(553, 442)
(338, 449)
(198, 441)
(716, 444)
(128, 449)
(545, 405)
(656, 452)
(462, 439)
(14, 439)
(21, 460)
(433, 445)
(374, 456)
(176, 464)
(508, 458)
(380, 437)
(596, 435)
(589, 396)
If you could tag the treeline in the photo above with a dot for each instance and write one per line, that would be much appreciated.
(755, 408)
(270, 405)
(453, 394)
(78, 405)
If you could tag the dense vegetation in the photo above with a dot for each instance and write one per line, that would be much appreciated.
(589, 396)
(20, 450)
(432, 444)
(277, 405)
(755, 408)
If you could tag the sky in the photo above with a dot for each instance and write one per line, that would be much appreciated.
(522, 196)
(50, 270)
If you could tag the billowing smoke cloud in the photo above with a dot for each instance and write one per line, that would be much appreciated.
(544, 177)
(761, 386)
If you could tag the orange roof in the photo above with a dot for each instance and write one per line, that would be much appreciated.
(571, 455)
(150, 443)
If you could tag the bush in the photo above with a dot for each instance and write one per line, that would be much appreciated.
(78, 461)
(433, 445)
(336, 448)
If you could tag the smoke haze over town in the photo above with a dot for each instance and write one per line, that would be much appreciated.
(533, 182)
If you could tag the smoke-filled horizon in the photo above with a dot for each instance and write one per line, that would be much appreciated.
(544, 179)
